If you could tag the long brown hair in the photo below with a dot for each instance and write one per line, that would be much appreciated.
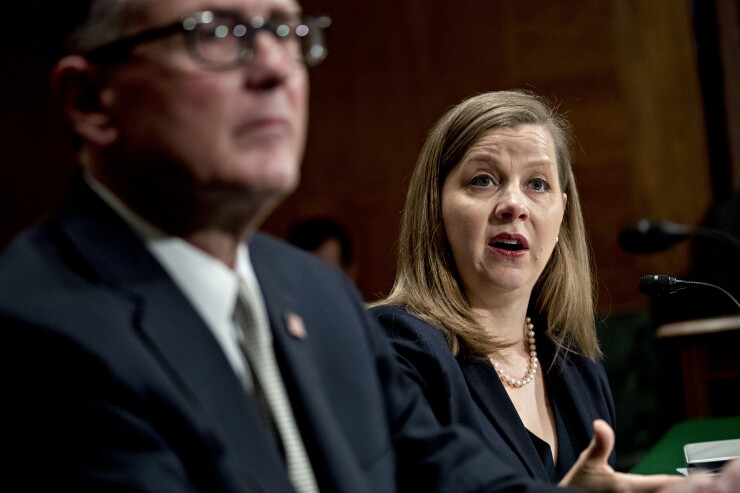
(427, 283)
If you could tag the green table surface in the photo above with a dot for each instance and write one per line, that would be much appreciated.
(667, 455)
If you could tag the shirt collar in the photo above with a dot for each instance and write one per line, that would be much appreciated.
(208, 284)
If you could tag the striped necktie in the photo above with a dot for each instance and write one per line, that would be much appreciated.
(270, 390)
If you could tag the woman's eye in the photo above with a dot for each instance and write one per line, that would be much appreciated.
(539, 185)
(482, 181)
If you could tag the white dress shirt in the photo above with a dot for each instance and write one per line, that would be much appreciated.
(209, 285)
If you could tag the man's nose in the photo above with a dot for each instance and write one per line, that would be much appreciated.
(272, 62)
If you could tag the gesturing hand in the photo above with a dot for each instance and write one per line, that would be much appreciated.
(592, 472)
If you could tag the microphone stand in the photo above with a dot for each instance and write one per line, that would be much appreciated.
(713, 286)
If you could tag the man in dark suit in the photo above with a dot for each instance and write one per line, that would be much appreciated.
(153, 341)
(125, 365)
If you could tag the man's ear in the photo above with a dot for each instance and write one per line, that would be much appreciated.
(75, 83)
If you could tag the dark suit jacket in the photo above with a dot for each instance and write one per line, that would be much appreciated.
(471, 394)
(112, 382)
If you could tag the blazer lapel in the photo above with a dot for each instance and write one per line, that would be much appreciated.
(326, 443)
(567, 381)
(176, 336)
(487, 389)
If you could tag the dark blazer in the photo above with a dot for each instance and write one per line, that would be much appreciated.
(471, 394)
(112, 382)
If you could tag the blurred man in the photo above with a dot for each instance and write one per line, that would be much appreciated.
(155, 341)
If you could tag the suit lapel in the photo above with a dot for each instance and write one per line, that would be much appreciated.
(176, 336)
(487, 389)
(326, 443)
(291, 337)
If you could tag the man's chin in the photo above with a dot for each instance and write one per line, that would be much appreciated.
(271, 190)
(264, 178)
(278, 185)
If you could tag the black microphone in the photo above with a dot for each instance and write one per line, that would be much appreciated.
(648, 236)
(658, 285)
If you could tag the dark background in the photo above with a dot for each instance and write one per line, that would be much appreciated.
(651, 89)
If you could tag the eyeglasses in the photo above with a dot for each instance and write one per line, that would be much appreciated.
(222, 40)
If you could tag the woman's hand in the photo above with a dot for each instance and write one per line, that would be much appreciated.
(592, 472)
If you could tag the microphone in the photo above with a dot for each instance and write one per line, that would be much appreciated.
(658, 285)
(654, 236)
(648, 236)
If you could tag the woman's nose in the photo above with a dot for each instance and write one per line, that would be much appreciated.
(511, 206)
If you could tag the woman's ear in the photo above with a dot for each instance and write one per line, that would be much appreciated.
(76, 86)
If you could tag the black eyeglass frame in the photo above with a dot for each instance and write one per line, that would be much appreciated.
(119, 49)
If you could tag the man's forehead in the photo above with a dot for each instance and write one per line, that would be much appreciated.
(166, 10)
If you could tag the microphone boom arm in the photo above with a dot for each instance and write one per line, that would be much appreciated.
(657, 285)
(714, 286)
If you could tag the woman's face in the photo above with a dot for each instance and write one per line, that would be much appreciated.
(502, 206)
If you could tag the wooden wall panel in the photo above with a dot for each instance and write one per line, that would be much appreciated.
(728, 33)
(633, 157)
(612, 66)
(622, 70)
(668, 165)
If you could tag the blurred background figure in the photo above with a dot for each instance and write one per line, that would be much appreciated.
(692, 332)
(326, 238)
(715, 259)
(718, 262)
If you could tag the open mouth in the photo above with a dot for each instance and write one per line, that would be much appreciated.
(510, 245)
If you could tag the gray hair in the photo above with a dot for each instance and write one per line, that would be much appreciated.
(78, 26)
(105, 22)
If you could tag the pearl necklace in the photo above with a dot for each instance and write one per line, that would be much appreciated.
(533, 362)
